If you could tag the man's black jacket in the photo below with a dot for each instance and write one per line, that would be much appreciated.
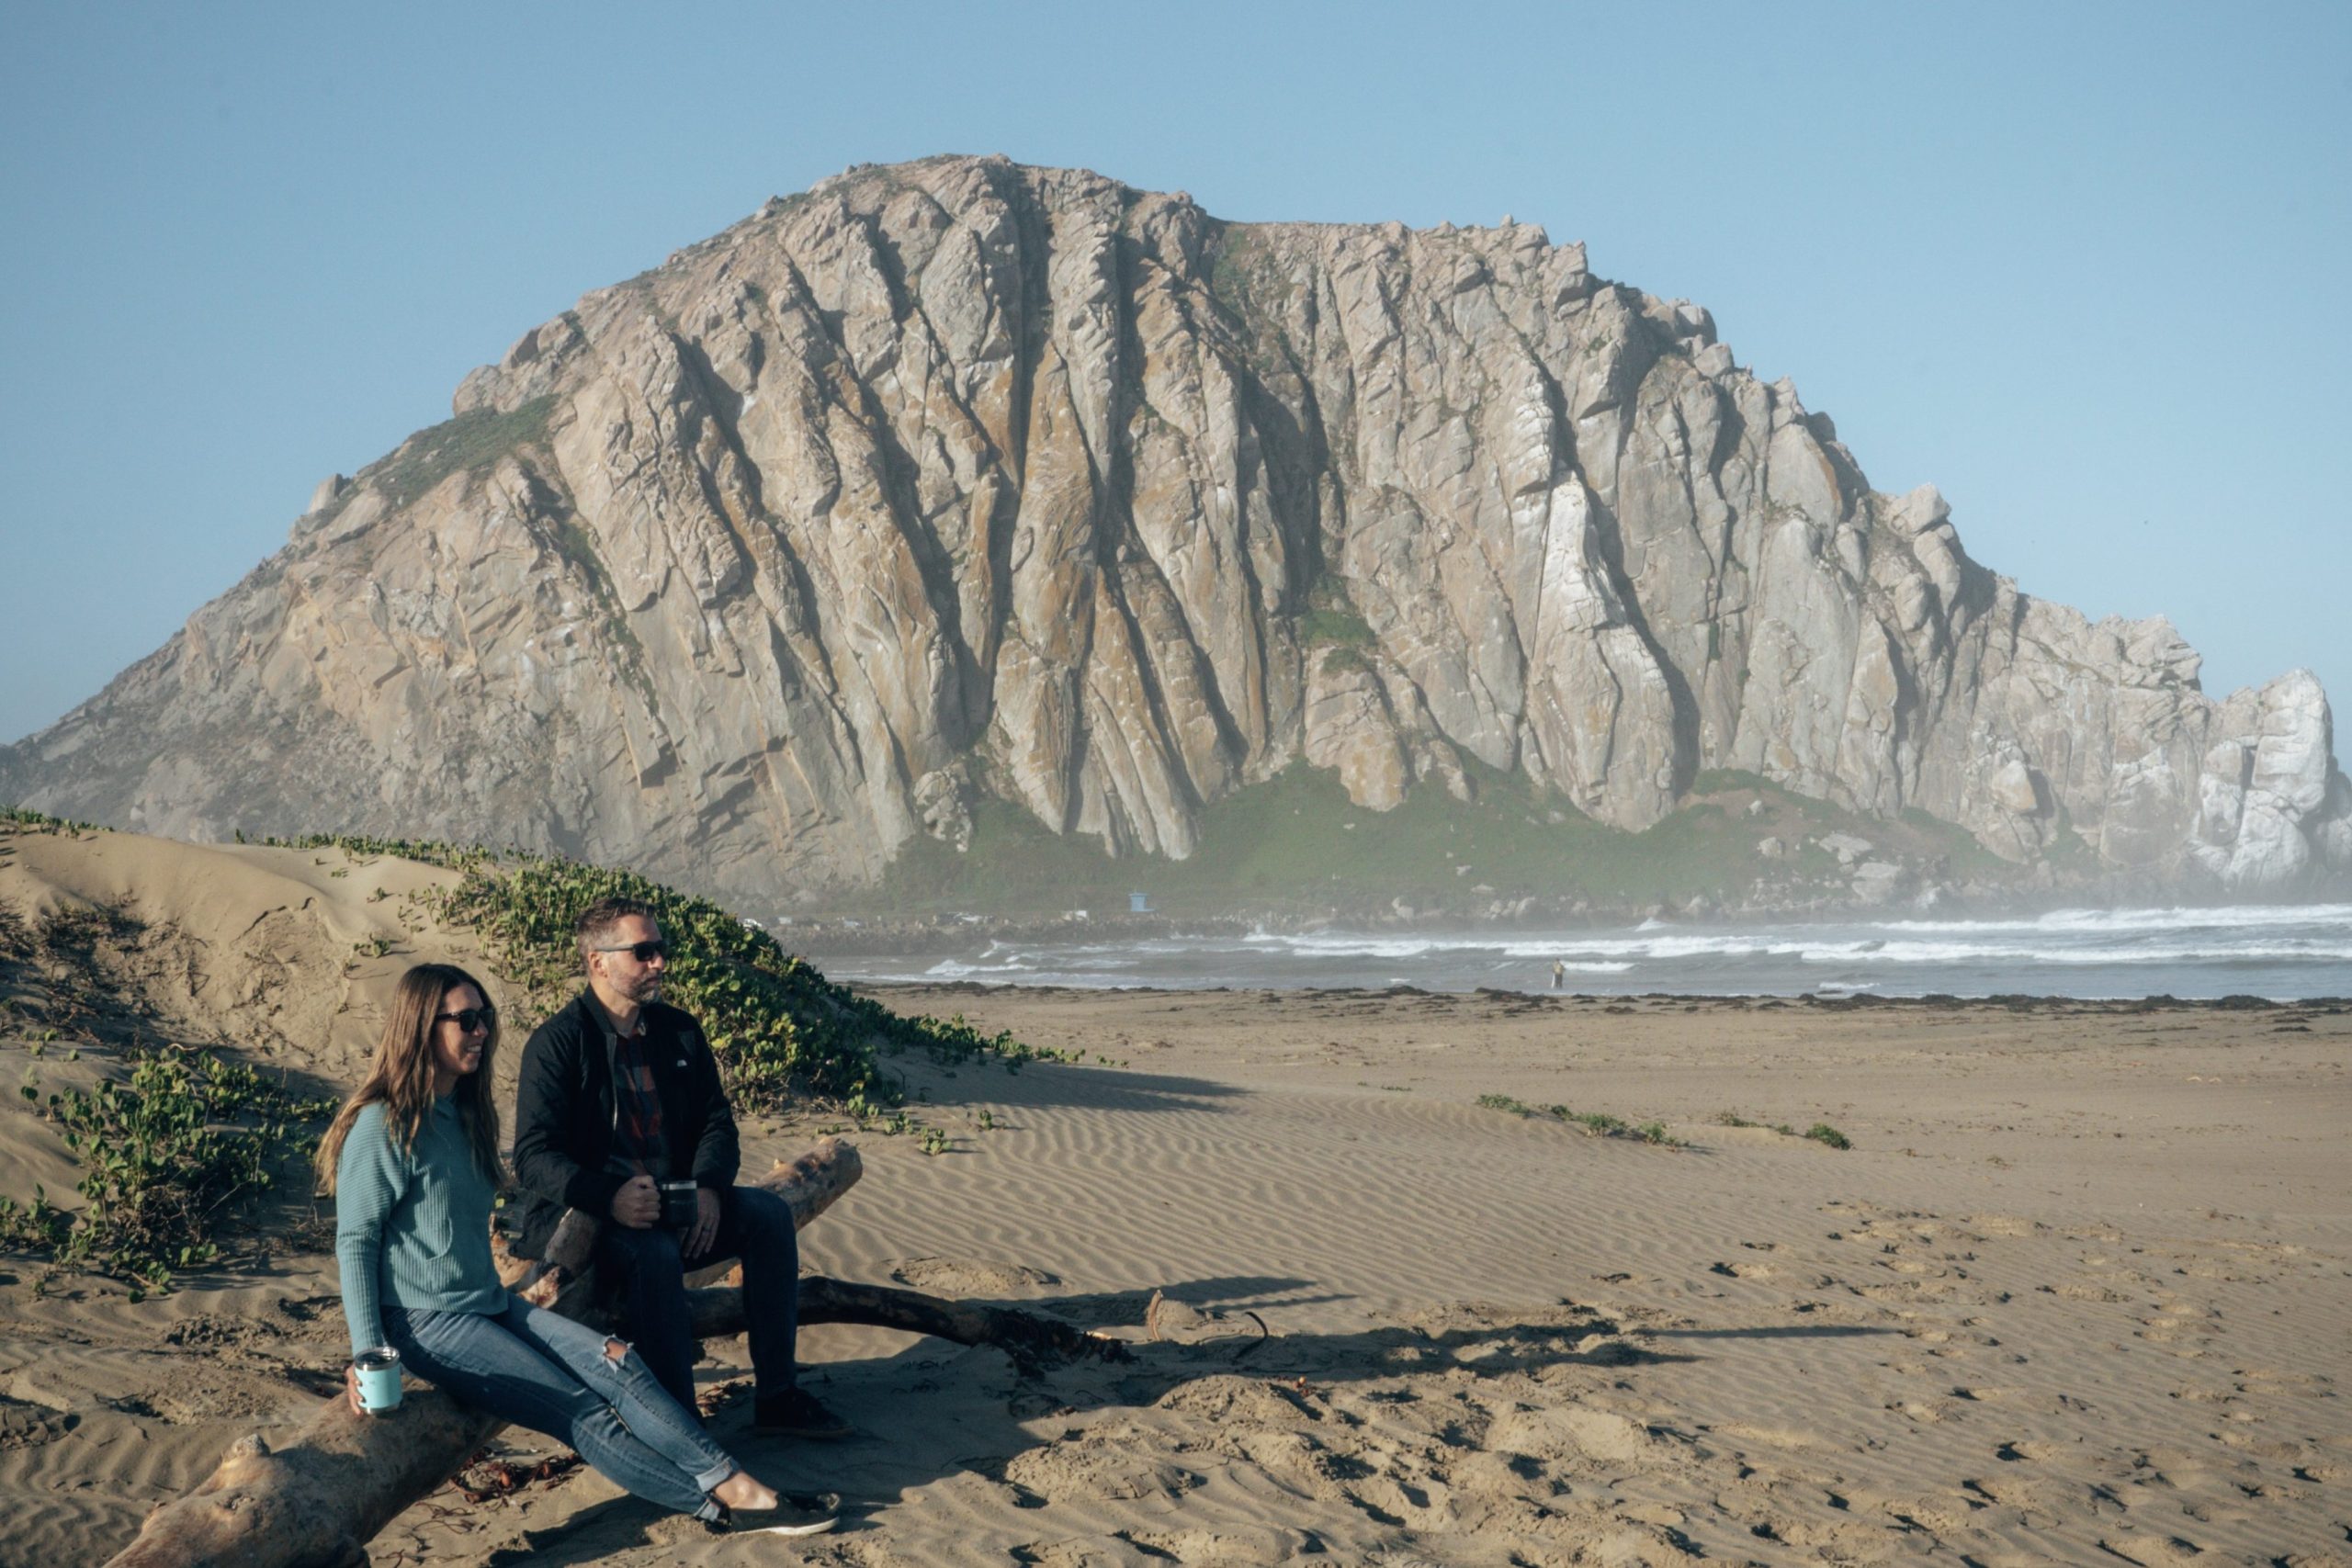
(564, 1114)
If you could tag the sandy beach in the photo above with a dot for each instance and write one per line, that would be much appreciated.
(2080, 1292)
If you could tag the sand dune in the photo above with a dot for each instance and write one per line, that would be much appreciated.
(291, 954)
(2079, 1292)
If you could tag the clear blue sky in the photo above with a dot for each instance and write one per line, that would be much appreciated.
(2081, 266)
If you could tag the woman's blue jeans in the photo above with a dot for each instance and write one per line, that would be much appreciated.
(530, 1367)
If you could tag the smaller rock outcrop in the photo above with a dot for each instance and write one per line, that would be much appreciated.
(2270, 805)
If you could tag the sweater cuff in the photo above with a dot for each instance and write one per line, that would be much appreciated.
(365, 1320)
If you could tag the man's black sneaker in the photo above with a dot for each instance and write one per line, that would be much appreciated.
(799, 1414)
(791, 1516)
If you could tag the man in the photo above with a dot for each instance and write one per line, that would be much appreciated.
(617, 1094)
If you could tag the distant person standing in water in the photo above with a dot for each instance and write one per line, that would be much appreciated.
(618, 1095)
(413, 1159)
(1559, 972)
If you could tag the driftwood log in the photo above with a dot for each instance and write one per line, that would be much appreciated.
(315, 1502)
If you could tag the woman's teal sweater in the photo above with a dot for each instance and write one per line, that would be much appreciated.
(412, 1226)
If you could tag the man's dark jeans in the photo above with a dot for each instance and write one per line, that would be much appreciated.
(753, 1226)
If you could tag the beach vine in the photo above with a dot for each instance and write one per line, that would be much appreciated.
(165, 1156)
(1820, 1132)
(1595, 1124)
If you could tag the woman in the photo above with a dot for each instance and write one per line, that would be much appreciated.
(413, 1157)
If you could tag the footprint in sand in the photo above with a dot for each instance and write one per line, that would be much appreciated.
(2272, 1381)
(2004, 1225)
(1230, 1401)
(2151, 1551)
(970, 1277)
(1790, 1438)
(2197, 1396)
(1104, 1463)
(2274, 1448)
(1571, 1432)
(1234, 1547)
(24, 1424)
(1925, 1411)
(2021, 1451)
(2023, 1398)
(2083, 1293)
(2037, 1502)
(2181, 1326)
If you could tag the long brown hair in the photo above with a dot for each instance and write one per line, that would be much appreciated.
(401, 1077)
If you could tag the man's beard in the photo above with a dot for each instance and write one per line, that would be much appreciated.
(645, 988)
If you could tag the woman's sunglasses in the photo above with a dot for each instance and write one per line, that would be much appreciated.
(643, 952)
(470, 1019)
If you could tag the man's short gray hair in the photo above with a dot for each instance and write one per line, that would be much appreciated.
(598, 920)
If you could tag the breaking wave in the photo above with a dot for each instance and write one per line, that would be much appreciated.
(2280, 951)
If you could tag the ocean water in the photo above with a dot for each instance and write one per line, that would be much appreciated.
(2280, 952)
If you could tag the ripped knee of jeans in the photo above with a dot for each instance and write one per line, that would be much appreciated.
(615, 1349)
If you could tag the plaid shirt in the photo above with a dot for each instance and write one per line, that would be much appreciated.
(636, 1108)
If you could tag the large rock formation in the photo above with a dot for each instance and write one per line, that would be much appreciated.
(960, 477)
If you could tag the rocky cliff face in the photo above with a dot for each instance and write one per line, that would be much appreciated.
(961, 478)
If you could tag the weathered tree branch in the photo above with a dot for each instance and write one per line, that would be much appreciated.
(1032, 1341)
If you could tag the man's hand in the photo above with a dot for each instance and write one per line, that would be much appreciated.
(704, 1230)
(639, 1202)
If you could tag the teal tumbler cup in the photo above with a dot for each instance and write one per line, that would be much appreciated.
(379, 1378)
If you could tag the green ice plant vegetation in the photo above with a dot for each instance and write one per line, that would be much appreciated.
(448, 857)
(165, 1157)
(1820, 1132)
(21, 820)
(1331, 619)
(1598, 1123)
(472, 442)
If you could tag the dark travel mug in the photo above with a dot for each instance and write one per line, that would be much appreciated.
(679, 1208)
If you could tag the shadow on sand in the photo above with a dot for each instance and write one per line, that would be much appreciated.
(988, 1427)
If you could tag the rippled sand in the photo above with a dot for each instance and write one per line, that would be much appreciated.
(2080, 1292)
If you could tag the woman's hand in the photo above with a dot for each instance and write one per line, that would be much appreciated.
(351, 1387)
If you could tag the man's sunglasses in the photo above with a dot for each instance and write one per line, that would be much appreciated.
(470, 1019)
(643, 952)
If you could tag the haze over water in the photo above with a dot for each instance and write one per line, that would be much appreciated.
(2280, 952)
